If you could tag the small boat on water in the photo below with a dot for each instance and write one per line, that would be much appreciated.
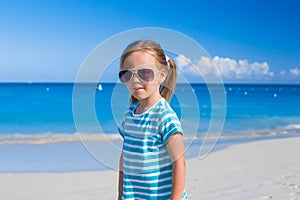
(99, 87)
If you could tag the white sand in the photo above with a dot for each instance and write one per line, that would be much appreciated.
(258, 170)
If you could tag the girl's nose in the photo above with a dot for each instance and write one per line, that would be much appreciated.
(135, 78)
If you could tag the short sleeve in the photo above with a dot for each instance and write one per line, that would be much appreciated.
(169, 125)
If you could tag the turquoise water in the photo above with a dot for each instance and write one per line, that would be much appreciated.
(38, 132)
(41, 108)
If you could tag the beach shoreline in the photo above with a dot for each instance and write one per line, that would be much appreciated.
(264, 169)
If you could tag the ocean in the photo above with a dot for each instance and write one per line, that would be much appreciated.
(40, 125)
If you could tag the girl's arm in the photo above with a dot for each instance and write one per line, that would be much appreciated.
(120, 187)
(176, 150)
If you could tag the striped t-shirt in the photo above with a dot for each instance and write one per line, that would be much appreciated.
(146, 163)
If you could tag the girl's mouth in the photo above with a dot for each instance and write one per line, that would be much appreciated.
(138, 88)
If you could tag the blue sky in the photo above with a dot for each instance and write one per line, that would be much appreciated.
(255, 41)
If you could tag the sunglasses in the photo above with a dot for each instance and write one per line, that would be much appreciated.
(144, 74)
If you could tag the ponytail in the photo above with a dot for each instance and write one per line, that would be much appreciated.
(168, 86)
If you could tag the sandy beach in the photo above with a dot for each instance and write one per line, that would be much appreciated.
(268, 169)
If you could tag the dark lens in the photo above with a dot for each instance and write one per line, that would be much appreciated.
(146, 74)
(125, 76)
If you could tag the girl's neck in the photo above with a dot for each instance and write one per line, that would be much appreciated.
(145, 104)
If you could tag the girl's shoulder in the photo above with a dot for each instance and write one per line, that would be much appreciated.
(165, 105)
(164, 108)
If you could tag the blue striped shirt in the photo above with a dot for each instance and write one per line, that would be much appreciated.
(146, 162)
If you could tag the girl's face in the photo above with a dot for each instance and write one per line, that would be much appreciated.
(137, 87)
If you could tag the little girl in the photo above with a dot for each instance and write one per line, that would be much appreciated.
(152, 163)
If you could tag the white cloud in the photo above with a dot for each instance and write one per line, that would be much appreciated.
(228, 67)
(203, 66)
(182, 61)
(295, 71)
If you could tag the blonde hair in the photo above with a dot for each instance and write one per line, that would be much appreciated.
(153, 48)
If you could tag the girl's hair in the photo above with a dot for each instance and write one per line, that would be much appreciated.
(153, 48)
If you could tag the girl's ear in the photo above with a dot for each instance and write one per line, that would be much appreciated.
(163, 76)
